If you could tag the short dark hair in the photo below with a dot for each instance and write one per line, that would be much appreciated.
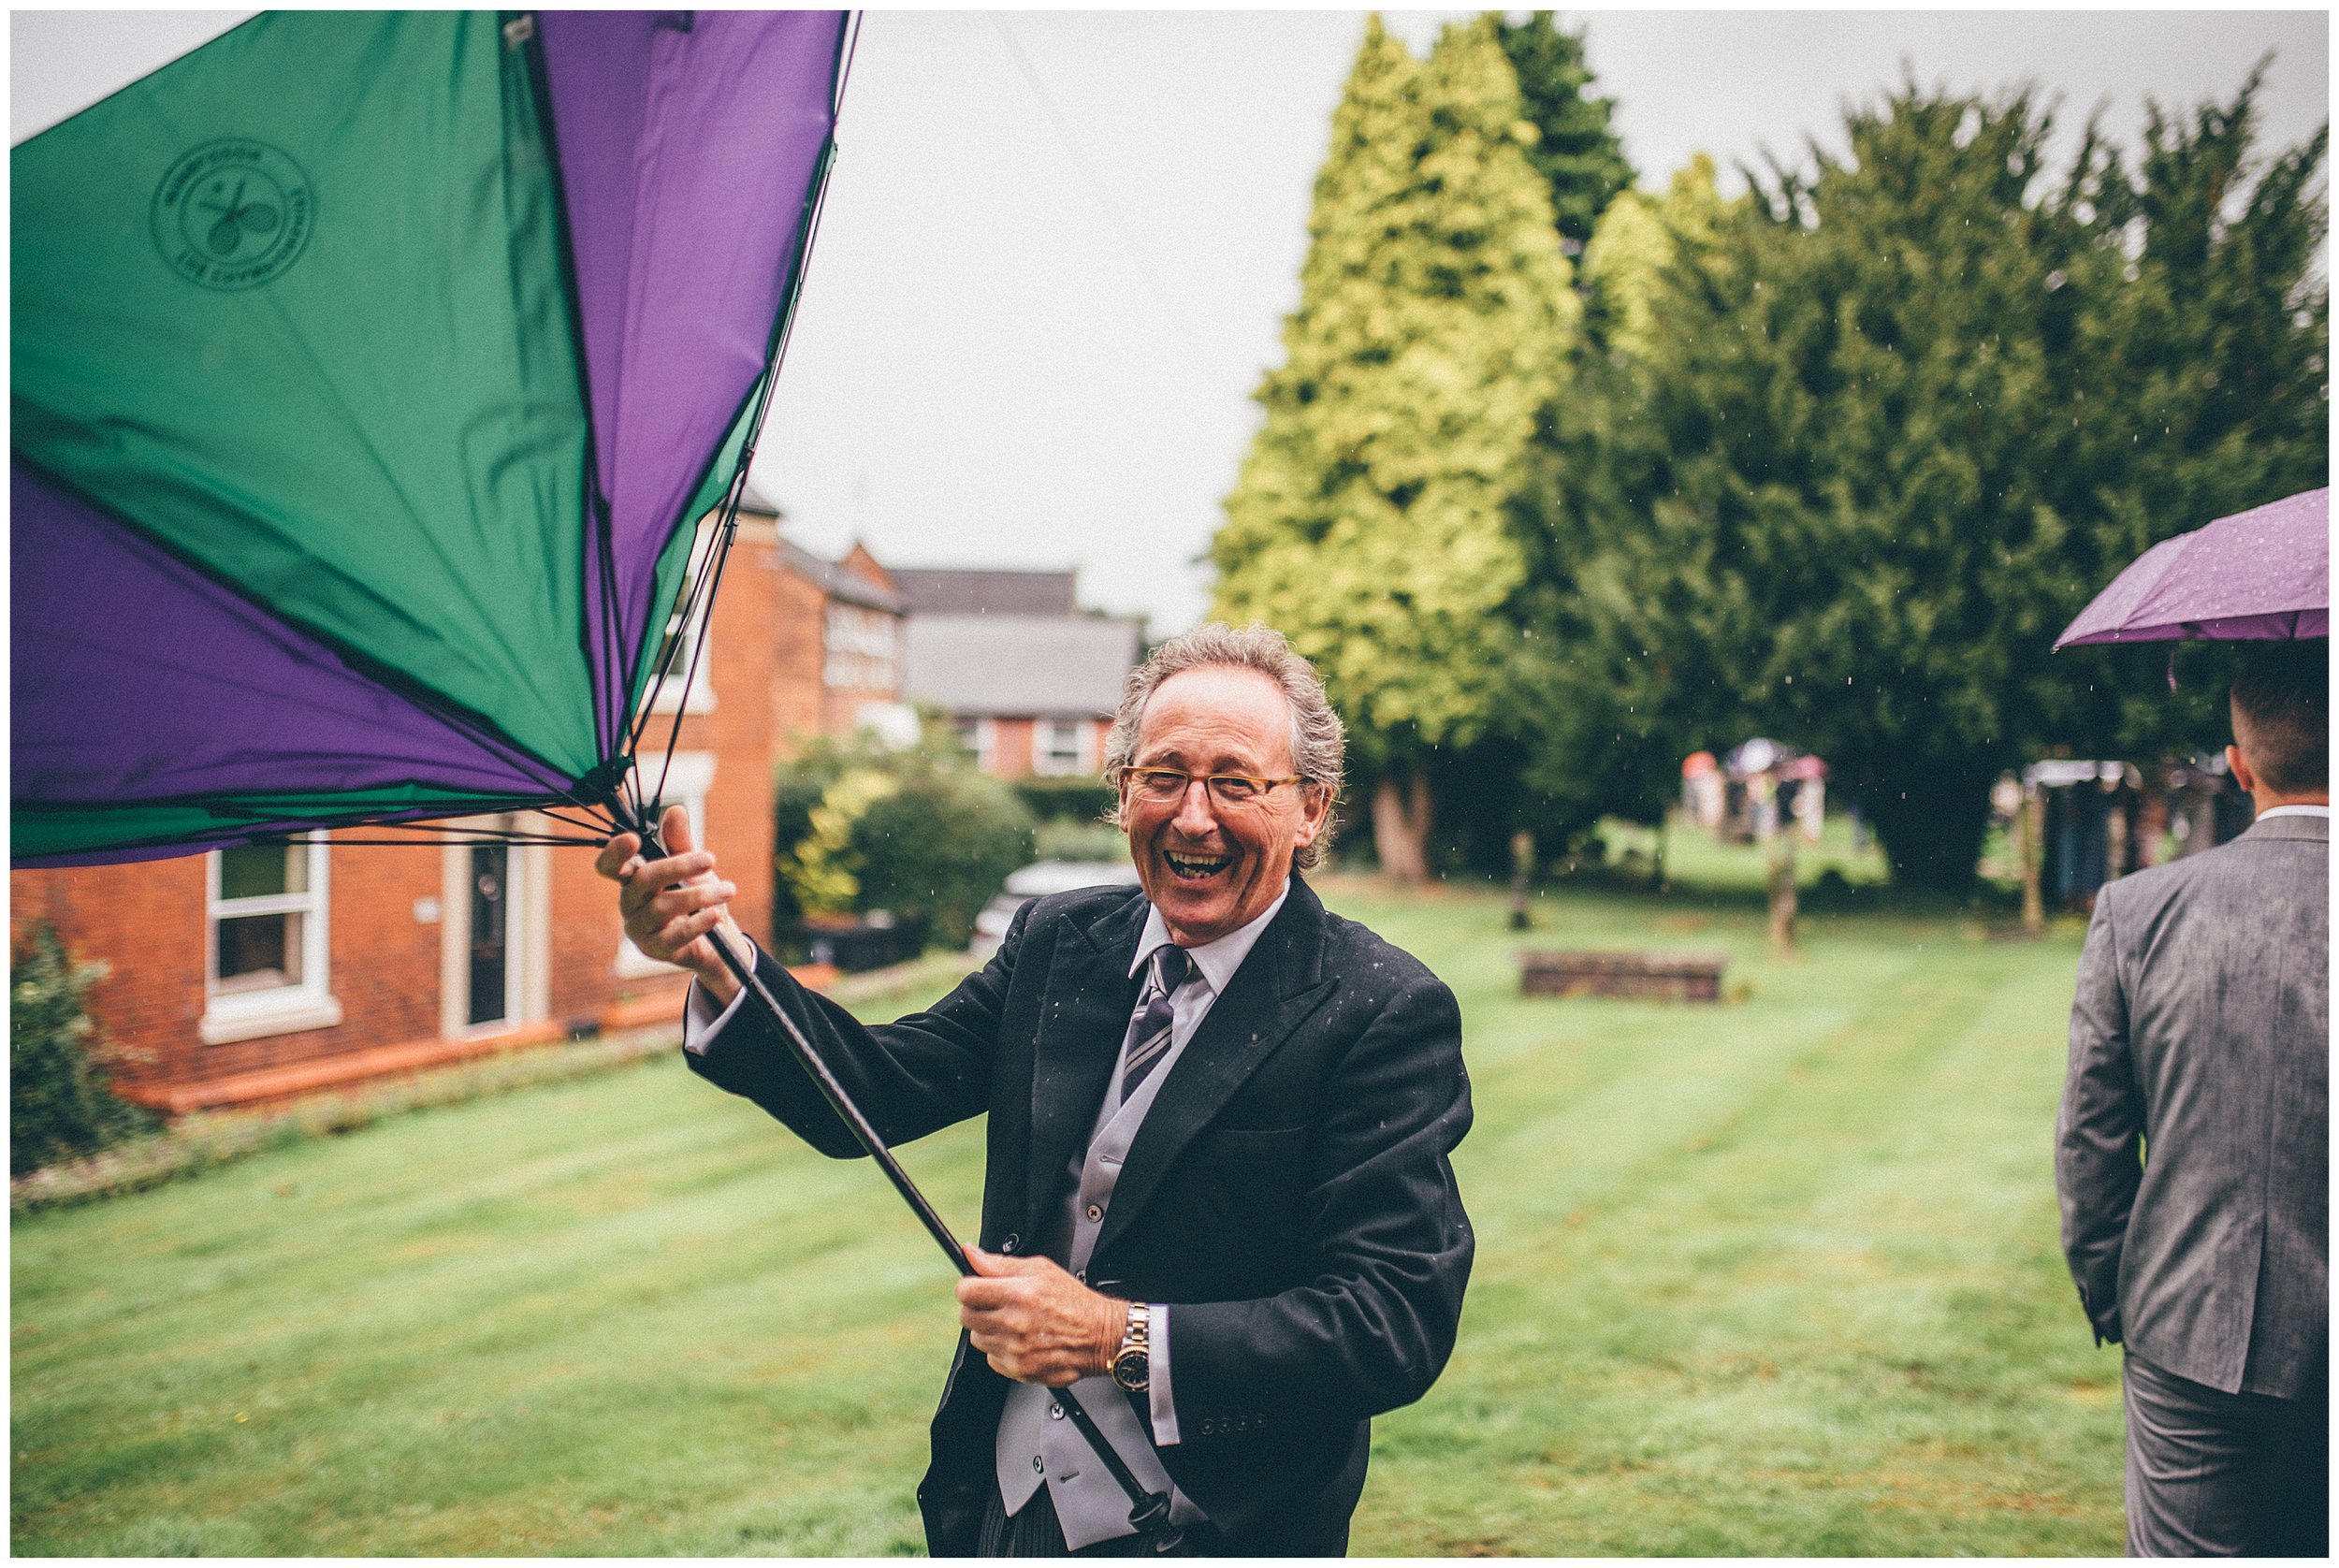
(2281, 714)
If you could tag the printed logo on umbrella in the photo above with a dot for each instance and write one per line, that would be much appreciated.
(233, 214)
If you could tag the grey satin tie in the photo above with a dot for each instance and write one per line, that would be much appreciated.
(1149, 1036)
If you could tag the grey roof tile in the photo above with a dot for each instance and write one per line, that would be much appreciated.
(1002, 666)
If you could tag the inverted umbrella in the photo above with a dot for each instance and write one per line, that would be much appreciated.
(368, 375)
(368, 372)
(2262, 575)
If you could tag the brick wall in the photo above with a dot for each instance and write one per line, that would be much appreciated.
(1011, 748)
(145, 924)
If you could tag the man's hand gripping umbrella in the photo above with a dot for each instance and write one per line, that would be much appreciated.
(677, 910)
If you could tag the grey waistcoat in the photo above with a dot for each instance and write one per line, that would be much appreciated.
(1034, 1441)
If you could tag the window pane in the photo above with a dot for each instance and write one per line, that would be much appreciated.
(259, 952)
(263, 870)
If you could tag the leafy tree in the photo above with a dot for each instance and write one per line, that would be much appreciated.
(921, 834)
(1869, 462)
(59, 1105)
(1574, 149)
(2208, 337)
(1600, 694)
(935, 850)
(1368, 520)
(1640, 243)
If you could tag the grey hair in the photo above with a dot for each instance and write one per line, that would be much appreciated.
(1319, 744)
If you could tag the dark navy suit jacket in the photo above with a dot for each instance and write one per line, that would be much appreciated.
(1288, 1194)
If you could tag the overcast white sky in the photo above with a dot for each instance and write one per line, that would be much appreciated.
(1059, 245)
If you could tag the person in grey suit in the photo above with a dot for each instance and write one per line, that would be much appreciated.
(2192, 1152)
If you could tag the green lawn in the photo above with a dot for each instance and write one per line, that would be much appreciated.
(1773, 1277)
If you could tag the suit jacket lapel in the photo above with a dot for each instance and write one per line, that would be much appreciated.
(1086, 1006)
(1278, 986)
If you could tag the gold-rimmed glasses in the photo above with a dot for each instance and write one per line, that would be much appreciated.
(1164, 785)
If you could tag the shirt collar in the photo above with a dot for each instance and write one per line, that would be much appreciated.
(1215, 961)
(2323, 811)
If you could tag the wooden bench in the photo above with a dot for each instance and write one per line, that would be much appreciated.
(1677, 977)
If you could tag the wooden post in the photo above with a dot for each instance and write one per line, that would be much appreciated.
(2031, 821)
(1782, 894)
(1522, 873)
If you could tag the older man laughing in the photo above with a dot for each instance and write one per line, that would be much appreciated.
(1217, 1199)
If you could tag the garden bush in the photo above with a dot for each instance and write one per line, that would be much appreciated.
(59, 1105)
(921, 835)
(1066, 840)
(1078, 798)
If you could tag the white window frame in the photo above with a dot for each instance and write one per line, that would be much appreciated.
(1046, 757)
(986, 741)
(689, 778)
(667, 694)
(282, 1010)
(860, 649)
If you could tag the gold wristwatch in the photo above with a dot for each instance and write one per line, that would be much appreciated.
(1132, 1364)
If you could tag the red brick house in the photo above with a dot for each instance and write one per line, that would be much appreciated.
(1028, 682)
(250, 975)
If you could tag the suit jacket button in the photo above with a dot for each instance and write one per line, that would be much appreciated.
(1012, 1242)
(1243, 1425)
(1206, 1429)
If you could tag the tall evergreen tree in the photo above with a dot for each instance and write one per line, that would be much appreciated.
(1575, 150)
(1604, 684)
(1368, 520)
(2208, 330)
(1901, 419)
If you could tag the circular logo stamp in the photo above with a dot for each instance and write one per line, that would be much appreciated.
(233, 213)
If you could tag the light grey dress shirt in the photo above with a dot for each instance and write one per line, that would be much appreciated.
(1034, 1440)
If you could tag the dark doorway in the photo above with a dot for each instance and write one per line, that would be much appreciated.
(490, 956)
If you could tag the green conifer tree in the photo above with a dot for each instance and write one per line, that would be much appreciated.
(2208, 324)
(1369, 519)
(1897, 422)
(1574, 151)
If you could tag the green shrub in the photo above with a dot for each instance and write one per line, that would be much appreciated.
(935, 850)
(1078, 798)
(1066, 840)
(59, 1105)
(921, 835)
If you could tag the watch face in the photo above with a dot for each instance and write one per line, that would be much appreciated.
(1130, 1369)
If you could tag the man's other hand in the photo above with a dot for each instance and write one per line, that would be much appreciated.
(1036, 1324)
(673, 907)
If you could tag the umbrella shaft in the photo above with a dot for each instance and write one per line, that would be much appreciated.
(843, 1105)
(1147, 1509)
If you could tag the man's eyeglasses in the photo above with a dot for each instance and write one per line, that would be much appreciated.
(1165, 785)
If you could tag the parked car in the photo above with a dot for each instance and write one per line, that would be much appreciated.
(1036, 881)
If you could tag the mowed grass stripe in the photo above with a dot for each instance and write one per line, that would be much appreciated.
(1776, 1276)
(1783, 1282)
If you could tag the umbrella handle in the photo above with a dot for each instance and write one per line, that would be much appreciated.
(1148, 1510)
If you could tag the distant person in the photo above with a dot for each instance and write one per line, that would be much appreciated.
(2192, 1154)
(1216, 1197)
